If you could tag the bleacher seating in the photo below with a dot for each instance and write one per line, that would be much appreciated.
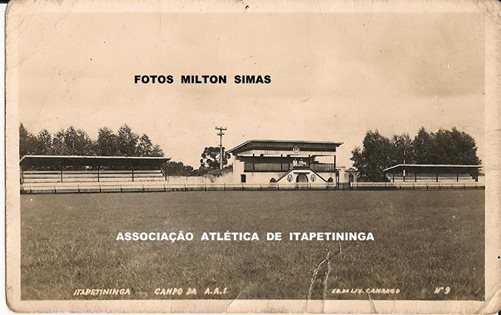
(92, 176)
(432, 178)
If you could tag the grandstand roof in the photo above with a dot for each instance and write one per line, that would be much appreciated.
(437, 167)
(80, 160)
(286, 145)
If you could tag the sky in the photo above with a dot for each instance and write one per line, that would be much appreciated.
(334, 76)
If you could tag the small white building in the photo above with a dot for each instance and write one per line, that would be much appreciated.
(283, 162)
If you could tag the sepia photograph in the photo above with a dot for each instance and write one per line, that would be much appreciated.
(290, 157)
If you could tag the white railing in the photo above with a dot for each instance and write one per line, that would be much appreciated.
(166, 187)
(417, 185)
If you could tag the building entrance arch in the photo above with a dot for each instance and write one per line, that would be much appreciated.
(301, 178)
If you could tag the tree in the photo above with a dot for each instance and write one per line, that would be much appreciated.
(157, 151)
(43, 142)
(27, 142)
(173, 168)
(73, 141)
(422, 144)
(127, 141)
(442, 147)
(466, 147)
(106, 143)
(210, 158)
(454, 147)
(445, 147)
(144, 146)
(58, 146)
(375, 155)
(403, 149)
(77, 142)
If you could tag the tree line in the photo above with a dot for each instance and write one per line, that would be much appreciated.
(73, 141)
(124, 142)
(441, 147)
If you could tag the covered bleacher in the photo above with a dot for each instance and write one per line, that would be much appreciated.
(88, 169)
(433, 173)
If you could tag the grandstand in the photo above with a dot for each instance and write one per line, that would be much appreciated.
(83, 174)
(54, 169)
(433, 173)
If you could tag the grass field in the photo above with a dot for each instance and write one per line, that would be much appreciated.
(423, 240)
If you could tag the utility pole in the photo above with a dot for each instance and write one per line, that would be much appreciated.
(220, 134)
